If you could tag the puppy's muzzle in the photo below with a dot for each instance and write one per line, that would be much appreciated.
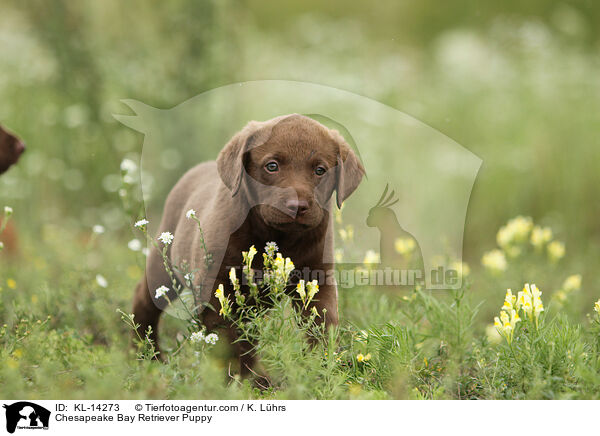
(297, 208)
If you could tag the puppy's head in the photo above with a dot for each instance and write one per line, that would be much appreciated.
(11, 149)
(290, 166)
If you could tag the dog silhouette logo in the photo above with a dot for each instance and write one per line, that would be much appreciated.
(26, 415)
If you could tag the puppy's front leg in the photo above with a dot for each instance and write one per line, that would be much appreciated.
(146, 313)
(327, 305)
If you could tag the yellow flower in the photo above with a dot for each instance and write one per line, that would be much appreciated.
(530, 301)
(516, 230)
(561, 296)
(556, 250)
(537, 297)
(300, 289)
(504, 236)
(367, 357)
(495, 261)
(232, 276)
(597, 306)
(313, 288)
(540, 236)
(220, 293)
(509, 300)
(11, 283)
(223, 301)
(248, 256)
(505, 325)
(404, 246)
(371, 257)
(524, 301)
(572, 283)
(347, 233)
(513, 251)
(360, 357)
(462, 268)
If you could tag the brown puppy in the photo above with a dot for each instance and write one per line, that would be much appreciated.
(11, 148)
(272, 182)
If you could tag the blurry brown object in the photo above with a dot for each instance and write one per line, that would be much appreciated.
(9, 239)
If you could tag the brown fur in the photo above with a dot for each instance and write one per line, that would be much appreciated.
(239, 204)
(11, 148)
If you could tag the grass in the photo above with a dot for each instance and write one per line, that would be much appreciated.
(416, 344)
(520, 91)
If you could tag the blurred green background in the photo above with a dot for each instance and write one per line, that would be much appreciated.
(515, 82)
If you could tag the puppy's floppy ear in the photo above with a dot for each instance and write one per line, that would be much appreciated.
(230, 162)
(349, 169)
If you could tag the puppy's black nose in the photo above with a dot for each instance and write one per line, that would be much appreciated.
(297, 207)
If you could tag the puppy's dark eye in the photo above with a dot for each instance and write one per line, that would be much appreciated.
(272, 167)
(320, 170)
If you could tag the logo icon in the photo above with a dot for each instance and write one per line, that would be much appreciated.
(26, 415)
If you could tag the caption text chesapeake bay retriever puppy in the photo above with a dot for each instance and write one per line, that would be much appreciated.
(273, 181)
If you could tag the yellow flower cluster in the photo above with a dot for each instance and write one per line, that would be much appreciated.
(283, 267)
(405, 246)
(556, 251)
(307, 291)
(248, 256)
(371, 257)
(513, 238)
(462, 268)
(505, 324)
(570, 285)
(528, 302)
(347, 233)
(495, 261)
(540, 236)
(362, 358)
(516, 230)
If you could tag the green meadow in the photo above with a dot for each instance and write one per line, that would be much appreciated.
(516, 84)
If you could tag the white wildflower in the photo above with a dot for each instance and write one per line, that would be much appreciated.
(196, 337)
(166, 238)
(211, 338)
(128, 166)
(271, 248)
(161, 292)
(134, 245)
(190, 214)
(141, 223)
(102, 282)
